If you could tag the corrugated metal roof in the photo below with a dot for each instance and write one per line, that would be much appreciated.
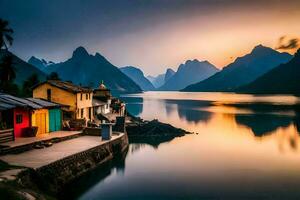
(43, 103)
(8, 101)
(6, 106)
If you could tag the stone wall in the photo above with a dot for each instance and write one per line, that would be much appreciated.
(53, 177)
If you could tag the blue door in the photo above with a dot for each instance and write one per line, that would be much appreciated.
(55, 120)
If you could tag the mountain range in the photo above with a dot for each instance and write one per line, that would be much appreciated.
(41, 64)
(89, 70)
(283, 79)
(159, 80)
(138, 77)
(192, 71)
(22, 68)
(242, 71)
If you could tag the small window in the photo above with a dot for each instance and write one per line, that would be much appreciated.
(82, 113)
(86, 96)
(81, 97)
(49, 94)
(19, 118)
(90, 113)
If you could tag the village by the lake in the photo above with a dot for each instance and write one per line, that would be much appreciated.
(155, 99)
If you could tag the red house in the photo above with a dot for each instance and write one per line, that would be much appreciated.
(21, 120)
(15, 114)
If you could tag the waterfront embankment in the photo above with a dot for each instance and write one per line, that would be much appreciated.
(46, 171)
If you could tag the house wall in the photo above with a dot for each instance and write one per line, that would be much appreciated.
(64, 97)
(103, 109)
(25, 120)
(57, 95)
(84, 103)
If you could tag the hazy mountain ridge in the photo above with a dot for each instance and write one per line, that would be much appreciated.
(283, 79)
(169, 73)
(242, 71)
(192, 71)
(41, 64)
(89, 70)
(22, 68)
(138, 77)
(159, 80)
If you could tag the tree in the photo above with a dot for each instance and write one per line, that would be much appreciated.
(6, 38)
(7, 76)
(53, 76)
(28, 85)
(7, 70)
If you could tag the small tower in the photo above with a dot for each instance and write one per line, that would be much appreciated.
(102, 92)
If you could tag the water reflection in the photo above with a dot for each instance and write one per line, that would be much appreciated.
(152, 141)
(188, 110)
(136, 105)
(85, 183)
(262, 117)
(262, 124)
(247, 148)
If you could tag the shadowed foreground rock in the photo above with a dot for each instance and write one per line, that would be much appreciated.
(153, 128)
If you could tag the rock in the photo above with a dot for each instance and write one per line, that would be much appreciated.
(153, 128)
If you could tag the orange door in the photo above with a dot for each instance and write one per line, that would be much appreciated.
(39, 119)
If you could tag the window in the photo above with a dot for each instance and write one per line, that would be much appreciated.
(19, 118)
(90, 113)
(80, 96)
(49, 94)
(81, 112)
(86, 96)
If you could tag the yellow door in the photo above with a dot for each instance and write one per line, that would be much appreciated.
(40, 119)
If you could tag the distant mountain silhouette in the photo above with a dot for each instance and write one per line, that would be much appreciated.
(138, 77)
(284, 79)
(169, 73)
(243, 70)
(41, 64)
(189, 73)
(23, 69)
(88, 70)
(157, 81)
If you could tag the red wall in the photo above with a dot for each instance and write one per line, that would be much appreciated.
(25, 122)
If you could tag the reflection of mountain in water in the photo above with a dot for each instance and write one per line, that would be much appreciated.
(134, 105)
(261, 124)
(91, 178)
(263, 121)
(154, 141)
(189, 110)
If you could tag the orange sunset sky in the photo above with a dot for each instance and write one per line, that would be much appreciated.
(151, 35)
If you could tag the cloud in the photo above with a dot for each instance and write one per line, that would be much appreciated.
(292, 43)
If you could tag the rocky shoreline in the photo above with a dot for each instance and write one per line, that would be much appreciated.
(153, 128)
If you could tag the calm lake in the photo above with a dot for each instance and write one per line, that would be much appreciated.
(244, 147)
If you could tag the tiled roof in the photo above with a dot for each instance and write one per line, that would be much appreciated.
(97, 102)
(66, 86)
